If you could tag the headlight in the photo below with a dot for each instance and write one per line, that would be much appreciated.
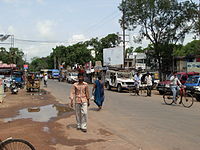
(167, 85)
(123, 83)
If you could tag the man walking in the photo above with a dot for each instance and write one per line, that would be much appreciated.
(80, 93)
(148, 80)
(45, 80)
(137, 82)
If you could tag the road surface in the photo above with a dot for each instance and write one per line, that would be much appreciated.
(144, 122)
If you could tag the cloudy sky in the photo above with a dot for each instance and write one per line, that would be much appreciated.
(60, 21)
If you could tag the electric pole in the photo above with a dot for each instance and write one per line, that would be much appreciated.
(124, 31)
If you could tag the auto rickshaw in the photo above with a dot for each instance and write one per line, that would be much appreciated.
(33, 82)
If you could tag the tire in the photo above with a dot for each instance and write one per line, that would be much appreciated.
(108, 86)
(187, 100)
(197, 97)
(16, 144)
(168, 99)
(161, 92)
(119, 88)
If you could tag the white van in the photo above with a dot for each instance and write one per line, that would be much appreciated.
(72, 77)
(118, 79)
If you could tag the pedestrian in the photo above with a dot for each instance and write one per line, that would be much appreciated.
(98, 91)
(45, 79)
(80, 94)
(137, 83)
(148, 80)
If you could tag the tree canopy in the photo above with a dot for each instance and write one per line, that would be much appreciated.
(191, 48)
(79, 53)
(12, 56)
(163, 22)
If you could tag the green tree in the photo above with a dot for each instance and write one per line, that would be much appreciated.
(37, 64)
(111, 40)
(139, 50)
(4, 55)
(14, 56)
(163, 22)
(191, 48)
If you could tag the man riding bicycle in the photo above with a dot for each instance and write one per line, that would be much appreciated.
(175, 83)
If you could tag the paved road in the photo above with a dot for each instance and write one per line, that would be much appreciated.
(145, 122)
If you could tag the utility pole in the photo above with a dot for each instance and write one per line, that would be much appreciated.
(124, 32)
(55, 62)
(199, 20)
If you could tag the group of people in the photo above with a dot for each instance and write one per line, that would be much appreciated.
(147, 80)
(80, 95)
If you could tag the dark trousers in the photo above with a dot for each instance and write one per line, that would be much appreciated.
(149, 90)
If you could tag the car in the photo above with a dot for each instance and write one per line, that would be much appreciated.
(118, 79)
(197, 93)
(165, 85)
(72, 77)
(191, 83)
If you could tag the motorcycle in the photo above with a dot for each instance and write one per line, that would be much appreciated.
(13, 87)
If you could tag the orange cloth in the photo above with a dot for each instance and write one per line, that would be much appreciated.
(79, 92)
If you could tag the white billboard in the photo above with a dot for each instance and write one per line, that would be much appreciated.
(113, 56)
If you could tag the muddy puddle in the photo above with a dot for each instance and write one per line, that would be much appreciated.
(43, 113)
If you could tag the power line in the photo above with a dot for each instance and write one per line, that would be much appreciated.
(102, 21)
(37, 41)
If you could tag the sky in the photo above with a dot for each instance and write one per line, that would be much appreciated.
(61, 21)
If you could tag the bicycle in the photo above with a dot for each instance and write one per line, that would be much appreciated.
(15, 144)
(184, 98)
(132, 90)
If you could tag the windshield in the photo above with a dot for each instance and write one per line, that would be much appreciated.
(74, 74)
(123, 75)
(192, 80)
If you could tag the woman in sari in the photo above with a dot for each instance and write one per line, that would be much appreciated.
(98, 91)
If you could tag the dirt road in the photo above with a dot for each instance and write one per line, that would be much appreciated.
(48, 125)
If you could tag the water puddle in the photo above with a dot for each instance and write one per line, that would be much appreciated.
(43, 113)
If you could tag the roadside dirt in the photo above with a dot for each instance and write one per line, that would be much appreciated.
(48, 125)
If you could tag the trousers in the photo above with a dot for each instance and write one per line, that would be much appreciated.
(81, 115)
(175, 91)
(149, 90)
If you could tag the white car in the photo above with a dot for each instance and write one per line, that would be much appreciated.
(72, 77)
(118, 79)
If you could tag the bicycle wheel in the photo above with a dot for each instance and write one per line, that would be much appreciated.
(168, 99)
(187, 100)
(16, 144)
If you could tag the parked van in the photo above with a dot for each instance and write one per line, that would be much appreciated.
(72, 77)
(182, 76)
(118, 79)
